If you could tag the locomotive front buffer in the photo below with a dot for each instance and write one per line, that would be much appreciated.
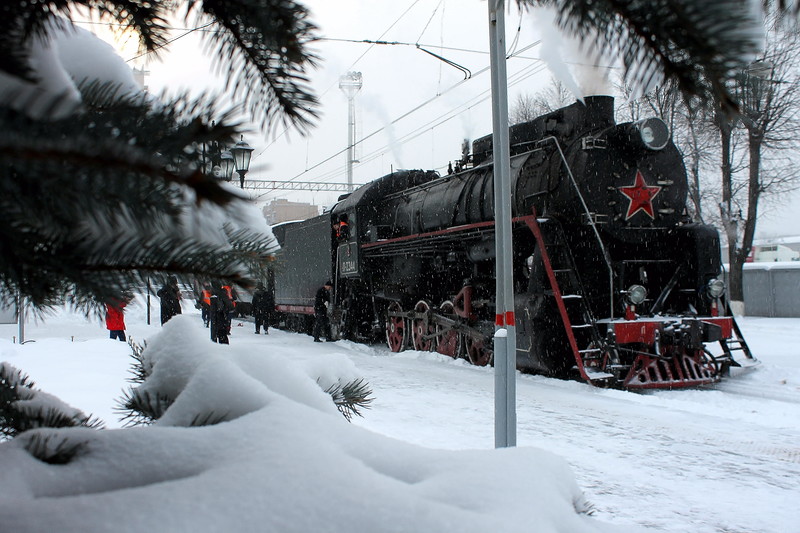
(669, 353)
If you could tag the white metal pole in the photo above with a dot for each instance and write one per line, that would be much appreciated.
(351, 140)
(505, 355)
(21, 318)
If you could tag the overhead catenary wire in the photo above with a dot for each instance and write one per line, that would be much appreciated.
(181, 36)
(404, 115)
(428, 126)
(392, 25)
(430, 19)
(514, 79)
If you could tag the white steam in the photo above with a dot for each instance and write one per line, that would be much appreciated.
(574, 64)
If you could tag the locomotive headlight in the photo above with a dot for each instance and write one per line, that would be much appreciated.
(636, 294)
(715, 288)
(653, 132)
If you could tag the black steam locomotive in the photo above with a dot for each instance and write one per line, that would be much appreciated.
(613, 283)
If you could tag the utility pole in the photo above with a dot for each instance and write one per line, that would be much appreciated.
(505, 354)
(350, 84)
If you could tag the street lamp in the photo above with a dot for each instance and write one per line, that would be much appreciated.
(241, 156)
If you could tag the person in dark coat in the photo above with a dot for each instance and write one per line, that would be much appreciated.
(263, 304)
(220, 314)
(321, 323)
(170, 296)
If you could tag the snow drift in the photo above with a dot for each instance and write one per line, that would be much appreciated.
(284, 459)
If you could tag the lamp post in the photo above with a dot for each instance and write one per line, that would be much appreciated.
(241, 153)
(217, 161)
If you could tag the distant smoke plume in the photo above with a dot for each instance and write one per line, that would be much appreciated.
(373, 106)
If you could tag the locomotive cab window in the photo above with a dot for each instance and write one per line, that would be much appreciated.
(342, 228)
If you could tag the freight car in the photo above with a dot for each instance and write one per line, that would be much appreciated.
(613, 282)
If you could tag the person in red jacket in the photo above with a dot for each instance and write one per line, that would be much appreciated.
(115, 317)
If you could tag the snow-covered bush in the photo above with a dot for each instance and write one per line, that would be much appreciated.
(181, 366)
(282, 459)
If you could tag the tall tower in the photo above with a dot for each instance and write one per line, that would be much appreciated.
(350, 84)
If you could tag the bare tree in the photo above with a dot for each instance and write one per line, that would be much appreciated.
(768, 92)
(529, 106)
(522, 110)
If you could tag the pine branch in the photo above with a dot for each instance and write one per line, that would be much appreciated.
(207, 419)
(141, 368)
(583, 506)
(22, 21)
(699, 45)
(53, 448)
(351, 397)
(142, 408)
(262, 46)
(76, 223)
(22, 407)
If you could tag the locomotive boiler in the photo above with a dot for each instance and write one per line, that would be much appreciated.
(613, 283)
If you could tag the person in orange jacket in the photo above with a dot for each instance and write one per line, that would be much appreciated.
(204, 303)
(115, 317)
(233, 297)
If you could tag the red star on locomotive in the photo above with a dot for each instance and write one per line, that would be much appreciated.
(640, 197)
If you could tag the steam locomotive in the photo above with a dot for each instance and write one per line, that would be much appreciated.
(613, 283)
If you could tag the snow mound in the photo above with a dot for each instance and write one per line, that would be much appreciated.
(283, 460)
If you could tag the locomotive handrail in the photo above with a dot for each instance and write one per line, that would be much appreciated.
(591, 222)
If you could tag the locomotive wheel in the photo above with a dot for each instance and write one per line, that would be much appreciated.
(422, 327)
(449, 340)
(396, 330)
(478, 353)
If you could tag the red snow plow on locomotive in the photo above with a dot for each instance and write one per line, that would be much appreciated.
(614, 284)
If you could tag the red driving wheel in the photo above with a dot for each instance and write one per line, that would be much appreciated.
(478, 353)
(396, 330)
(449, 340)
(422, 329)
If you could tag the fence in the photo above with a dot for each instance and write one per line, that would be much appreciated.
(772, 289)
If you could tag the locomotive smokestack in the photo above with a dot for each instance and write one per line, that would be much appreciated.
(599, 111)
(595, 113)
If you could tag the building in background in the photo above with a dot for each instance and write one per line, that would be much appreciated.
(773, 250)
(282, 210)
(763, 253)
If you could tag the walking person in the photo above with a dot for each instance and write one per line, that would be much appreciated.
(220, 314)
(322, 324)
(233, 297)
(170, 296)
(204, 303)
(115, 317)
(263, 304)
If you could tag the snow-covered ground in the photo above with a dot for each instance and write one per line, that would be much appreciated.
(725, 459)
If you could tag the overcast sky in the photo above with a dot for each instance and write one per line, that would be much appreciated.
(413, 110)
(442, 107)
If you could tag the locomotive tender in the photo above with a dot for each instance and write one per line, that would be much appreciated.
(613, 283)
